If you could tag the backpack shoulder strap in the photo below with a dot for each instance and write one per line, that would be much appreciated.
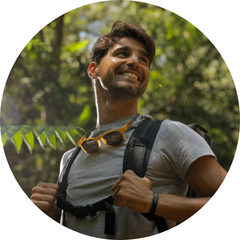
(202, 132)
(139, 146)
(137, 154)
(62, 179)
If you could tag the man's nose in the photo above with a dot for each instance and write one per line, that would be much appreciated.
(133, 60)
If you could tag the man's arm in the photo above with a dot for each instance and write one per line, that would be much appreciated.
(204, 175)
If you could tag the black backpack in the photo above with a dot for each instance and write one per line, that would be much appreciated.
(136, 158)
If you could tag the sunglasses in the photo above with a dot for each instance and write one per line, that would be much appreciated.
(113, 138)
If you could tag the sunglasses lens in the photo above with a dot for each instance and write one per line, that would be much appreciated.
(90, 146)
(114, 138)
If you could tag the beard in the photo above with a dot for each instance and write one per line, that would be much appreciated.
(119, 89)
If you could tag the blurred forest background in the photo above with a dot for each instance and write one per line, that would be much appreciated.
(48, 84)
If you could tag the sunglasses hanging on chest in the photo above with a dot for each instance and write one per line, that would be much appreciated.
(113, 138)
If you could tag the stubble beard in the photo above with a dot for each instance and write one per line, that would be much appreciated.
(120, 90)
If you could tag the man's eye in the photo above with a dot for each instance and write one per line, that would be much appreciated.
(124, 54)
(143, 59)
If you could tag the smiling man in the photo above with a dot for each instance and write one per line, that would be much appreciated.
(119, 69)
(124, 70)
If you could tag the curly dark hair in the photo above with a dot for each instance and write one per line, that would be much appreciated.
(119, 30)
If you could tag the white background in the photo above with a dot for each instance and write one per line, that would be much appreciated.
(21, 20)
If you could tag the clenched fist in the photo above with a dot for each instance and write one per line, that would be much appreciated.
(133, 192)
(44, 197)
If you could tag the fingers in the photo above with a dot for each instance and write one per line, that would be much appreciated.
(116, 184)
(43, 205)
(44, 196)
(119, 193)
(132, 191)
(127, 176)
(120, 182)
(46, 189)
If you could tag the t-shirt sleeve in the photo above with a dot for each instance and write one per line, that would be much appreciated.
(182, 146)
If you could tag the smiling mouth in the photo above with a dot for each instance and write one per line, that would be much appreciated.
(130, 75)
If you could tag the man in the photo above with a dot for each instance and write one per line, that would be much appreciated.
(119, 70)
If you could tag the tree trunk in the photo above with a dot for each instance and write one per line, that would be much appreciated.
(49, 114)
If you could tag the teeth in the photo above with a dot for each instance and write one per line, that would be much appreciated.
(130, 75)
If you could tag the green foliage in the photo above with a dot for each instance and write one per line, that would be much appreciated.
(74, 47)
(49, 86)
(19, 134)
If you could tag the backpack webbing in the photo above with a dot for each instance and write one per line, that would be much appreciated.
(89, 210)
(139, 146)
(62, 179)
(137, 154)
(136, 158)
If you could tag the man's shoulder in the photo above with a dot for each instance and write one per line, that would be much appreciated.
(175, 131)
(172, 126)
(169, 126)
(65, 157)
(68, 153)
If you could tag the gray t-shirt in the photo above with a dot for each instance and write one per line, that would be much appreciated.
(92, 176)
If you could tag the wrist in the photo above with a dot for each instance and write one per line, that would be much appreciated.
(147, 203)
(154, 203)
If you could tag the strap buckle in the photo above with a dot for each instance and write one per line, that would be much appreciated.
(82, 212)
(91, 211)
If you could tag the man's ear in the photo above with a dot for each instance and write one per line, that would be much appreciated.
(92, 70)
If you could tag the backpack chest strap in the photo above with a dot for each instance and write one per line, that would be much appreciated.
(136, 157)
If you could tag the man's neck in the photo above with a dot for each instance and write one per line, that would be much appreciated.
(110, 109)
(110, 112)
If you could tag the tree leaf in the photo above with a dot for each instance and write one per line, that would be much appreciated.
(77, 130)
(17, 140)
(76, 46)
(4, 138)
(52, 141)
(12, 130)
(39, 132)
(28, 137)
(71, 135)
(25, 129)
(61, 136)
(4, 129)
(85, 115)
(50, 136)
(18, 134)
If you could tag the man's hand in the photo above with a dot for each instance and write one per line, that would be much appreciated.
(133, 192)
(44, 197)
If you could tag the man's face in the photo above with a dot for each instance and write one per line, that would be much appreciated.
(124, 70)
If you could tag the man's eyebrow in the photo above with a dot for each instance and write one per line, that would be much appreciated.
(144, 53)
(123, 48)
(127, 48)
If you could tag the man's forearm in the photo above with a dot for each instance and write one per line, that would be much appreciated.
(135, 193)
(178, 208)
